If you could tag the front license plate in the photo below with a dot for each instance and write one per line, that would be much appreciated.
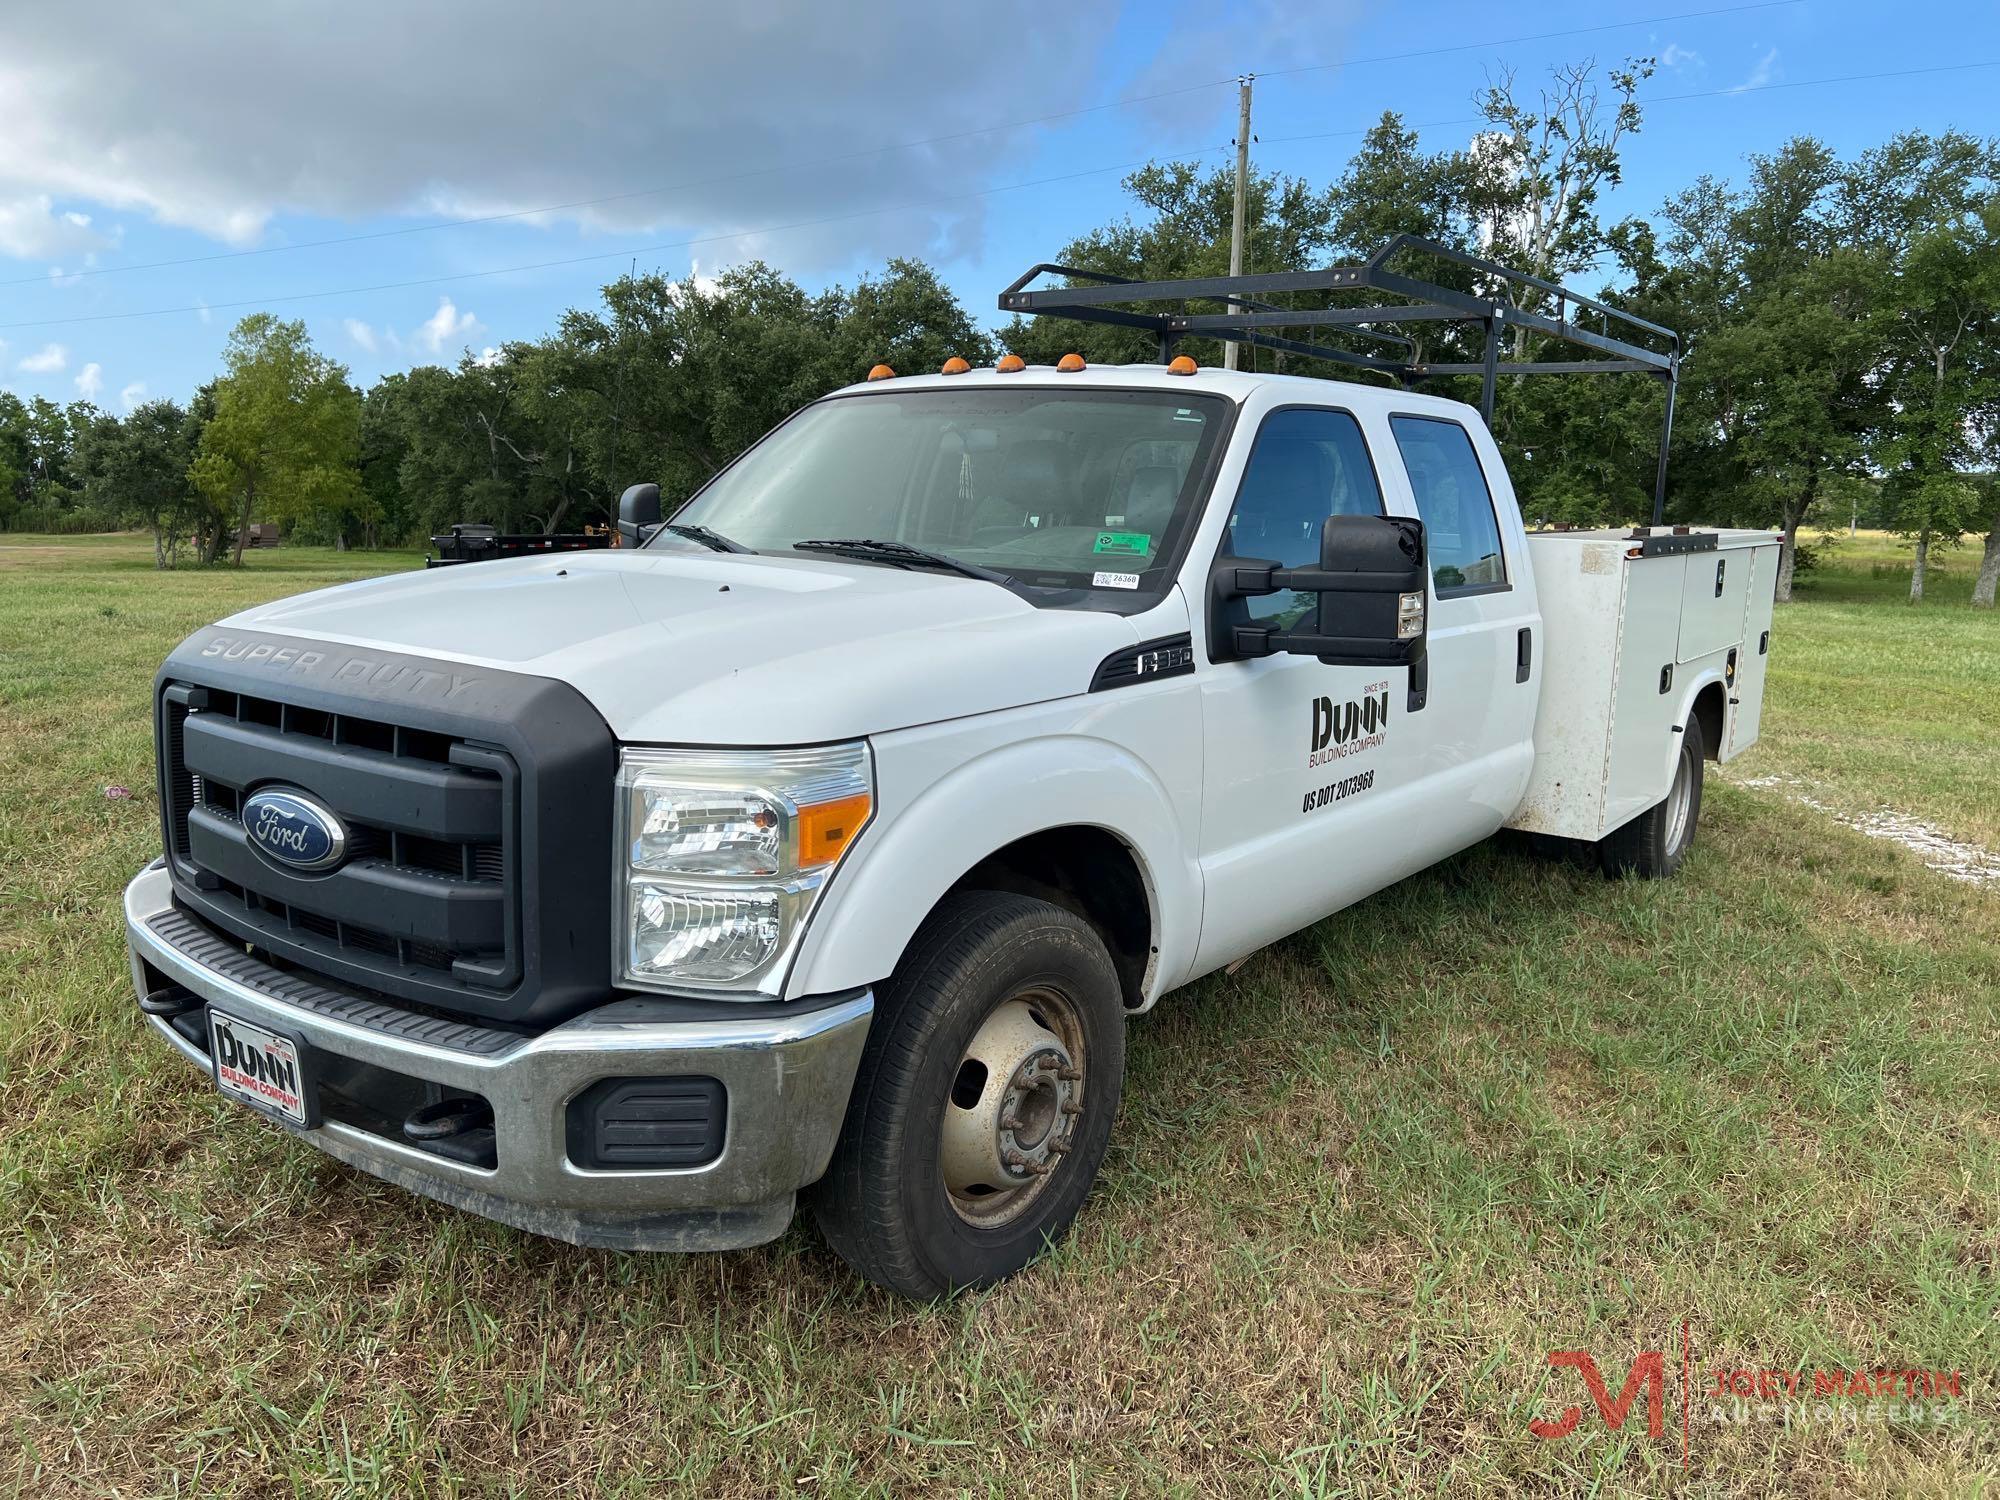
(265, 1069)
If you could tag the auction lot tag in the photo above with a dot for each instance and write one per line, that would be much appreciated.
(1114, 580)
(262, 1068)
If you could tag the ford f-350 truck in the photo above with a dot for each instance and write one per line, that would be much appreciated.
(823, 839)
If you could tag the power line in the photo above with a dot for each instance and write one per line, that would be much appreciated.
(1543, 36)
(1730, 93)
(619, 254)
(864, 153)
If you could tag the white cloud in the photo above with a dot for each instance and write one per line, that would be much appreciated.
(183, 114)
(201, 311)
(361, 333)
(51, 358)
(30, 228)
(488, 357)
(90, 381)
(444, 328)
(1763, 73)
(132, 394)
(1674, 55)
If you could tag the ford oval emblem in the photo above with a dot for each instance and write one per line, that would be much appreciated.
(292, 830)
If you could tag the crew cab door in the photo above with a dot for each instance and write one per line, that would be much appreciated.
(1323, 783)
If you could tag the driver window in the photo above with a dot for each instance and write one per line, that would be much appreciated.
(1307, 465)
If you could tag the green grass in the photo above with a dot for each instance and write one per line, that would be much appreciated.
(1358, 1192)
(1877, 702)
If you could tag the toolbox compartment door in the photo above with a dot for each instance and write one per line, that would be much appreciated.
(1713, 597)
(1746, 710)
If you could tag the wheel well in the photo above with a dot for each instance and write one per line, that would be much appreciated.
(1707, 711)
(1087, 871)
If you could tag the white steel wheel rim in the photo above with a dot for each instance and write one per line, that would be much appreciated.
(1679, 799)
(1011, 1111)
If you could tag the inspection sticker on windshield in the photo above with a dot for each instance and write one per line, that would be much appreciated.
(1114, 580)
(1138, 543)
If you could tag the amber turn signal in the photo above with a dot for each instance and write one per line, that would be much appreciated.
(1069, 364)
(881, 372)
(954, 366)
(827, 828)
(1181, 365)
(1010, 364)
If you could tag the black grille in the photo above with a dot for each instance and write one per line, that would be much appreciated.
(424, 889)
(477, 803)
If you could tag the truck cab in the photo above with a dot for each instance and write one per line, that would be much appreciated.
(824, 838)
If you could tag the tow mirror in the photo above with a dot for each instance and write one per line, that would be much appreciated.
(1372, 585)
(638, 512)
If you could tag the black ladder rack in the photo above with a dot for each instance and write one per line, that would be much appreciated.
(1249, 320)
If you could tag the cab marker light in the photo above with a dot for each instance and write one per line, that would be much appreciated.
(954, 366)
(881, 372)
(1181, 365)
(1069, 364)
(1010, 364)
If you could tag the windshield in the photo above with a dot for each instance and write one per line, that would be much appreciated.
(1085, 489)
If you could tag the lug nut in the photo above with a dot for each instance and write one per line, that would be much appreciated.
(1070, 1075)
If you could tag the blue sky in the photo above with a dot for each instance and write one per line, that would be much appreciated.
(234, 139)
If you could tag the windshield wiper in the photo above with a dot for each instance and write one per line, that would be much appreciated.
(870, 550)
(715, 541)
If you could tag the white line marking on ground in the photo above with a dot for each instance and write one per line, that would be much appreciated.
(1932, 845)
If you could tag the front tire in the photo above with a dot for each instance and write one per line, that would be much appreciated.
(1653, 844)
(984, 1099)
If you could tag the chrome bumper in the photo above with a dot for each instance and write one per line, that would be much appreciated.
(787, 1080)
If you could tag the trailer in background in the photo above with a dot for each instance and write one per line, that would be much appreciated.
(467, 542)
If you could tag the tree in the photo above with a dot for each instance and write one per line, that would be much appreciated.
(1777, 395)
(1928, 208)
(1287, 226)
(1983, 588)
(137, 471)
(285, 437)
(1534, 178)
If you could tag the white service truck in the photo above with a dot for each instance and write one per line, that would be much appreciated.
(823, 839)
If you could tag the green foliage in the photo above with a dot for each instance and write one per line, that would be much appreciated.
(1840, 324)
(285, 439)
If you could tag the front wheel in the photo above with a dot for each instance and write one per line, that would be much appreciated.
(984, 1099)
(1653, 844)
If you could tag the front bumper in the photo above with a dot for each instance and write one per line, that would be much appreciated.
(786, 1071)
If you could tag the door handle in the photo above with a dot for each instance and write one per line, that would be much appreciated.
(1524, 652)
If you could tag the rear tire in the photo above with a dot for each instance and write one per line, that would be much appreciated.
(1653, 844)
(984, 1099)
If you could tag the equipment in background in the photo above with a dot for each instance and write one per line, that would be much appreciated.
(467, 542)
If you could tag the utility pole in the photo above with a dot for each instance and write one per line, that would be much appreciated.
(1243, 83)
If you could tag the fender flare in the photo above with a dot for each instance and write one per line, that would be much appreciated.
(903, 865)
(1701, 680)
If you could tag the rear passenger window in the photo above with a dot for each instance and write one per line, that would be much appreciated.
(1306, 465)
(1460, 530)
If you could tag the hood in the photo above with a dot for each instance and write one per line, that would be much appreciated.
(725, 649)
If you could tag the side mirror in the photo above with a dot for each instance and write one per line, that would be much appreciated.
(1372, 594)
(1372, 584)
(638, 512)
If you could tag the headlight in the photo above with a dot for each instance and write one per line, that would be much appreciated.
(722, 855)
